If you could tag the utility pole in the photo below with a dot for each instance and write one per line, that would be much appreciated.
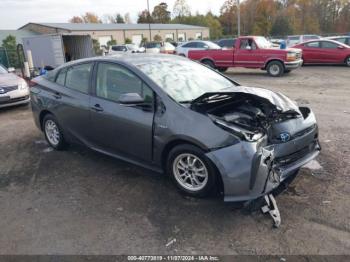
(149, 22)
(238, 18)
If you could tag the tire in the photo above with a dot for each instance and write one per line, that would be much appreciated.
(347, 61)
(275, 68)
(53, 132)
(184, 170)
(222, 69)
(183, 55)
(208, 63)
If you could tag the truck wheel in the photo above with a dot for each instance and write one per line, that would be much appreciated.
(193, 173)
(275, 68)
(208, 63)
(347, 61)
(222, 69)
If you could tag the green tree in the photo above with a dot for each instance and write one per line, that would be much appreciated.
(161, 14)
(181, 10)
(157, 38)
(111, 42)
(144, 17)
(214, 25)
(128, 41)
(9, 43)
(96, 46)
(281, 26)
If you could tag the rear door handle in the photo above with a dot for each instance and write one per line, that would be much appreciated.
(57, 95)
(97, 108)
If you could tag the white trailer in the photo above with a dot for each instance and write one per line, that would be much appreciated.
(56, 49)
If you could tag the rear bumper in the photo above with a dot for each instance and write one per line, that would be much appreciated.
(293, 65)
(251, 170)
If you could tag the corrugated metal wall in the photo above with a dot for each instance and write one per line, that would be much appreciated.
(77, 46)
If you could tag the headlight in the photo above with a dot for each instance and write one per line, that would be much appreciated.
(239, 131)
(22, 85)
(291, 56)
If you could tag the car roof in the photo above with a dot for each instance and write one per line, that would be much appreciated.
(323, 40)
(133, 59)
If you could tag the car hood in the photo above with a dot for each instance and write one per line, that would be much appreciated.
(9, 79)
(281, 102)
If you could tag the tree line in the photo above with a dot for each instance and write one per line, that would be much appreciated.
(258, 17)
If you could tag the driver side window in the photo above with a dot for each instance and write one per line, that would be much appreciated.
(113, 80)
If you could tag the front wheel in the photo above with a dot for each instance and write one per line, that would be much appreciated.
(193, 173)
(222, 69)
(275, 68)
(347, 61)
(208, 63)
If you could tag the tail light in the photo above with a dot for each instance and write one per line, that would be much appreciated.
(32, 83)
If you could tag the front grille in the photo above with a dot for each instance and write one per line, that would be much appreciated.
(5, 89)
(14, 100)
(298, 134)
(286, 160)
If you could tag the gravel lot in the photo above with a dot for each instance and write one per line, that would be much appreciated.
(82, 202)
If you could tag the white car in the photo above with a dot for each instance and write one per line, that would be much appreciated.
(14, 90)
(296, 39)
(127, 48)
(167, 48)
(183, 49)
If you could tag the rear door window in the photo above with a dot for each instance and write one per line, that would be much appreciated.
(329, 45)
(190, 45)
(78, 77)
(313, 44)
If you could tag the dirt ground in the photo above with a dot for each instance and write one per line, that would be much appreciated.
(82, 202)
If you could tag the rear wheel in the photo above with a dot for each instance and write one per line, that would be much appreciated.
(275, 68)
(193, 173)
(208, 63)
(53, 133)
(347, 61)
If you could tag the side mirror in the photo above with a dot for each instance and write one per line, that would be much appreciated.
(130, 99)
(11, 69)
(340, 47)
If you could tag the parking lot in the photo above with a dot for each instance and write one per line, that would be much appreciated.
(82, 202)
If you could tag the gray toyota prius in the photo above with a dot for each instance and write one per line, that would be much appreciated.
(172, 115)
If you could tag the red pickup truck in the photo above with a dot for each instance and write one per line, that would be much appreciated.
(251, 52)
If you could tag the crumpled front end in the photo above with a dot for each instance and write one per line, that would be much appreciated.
(252, 169)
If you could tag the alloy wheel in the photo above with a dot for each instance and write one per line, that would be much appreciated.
(190, 172)
(52, 132)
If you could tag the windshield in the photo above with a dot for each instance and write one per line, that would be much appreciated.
(184, 80)
(2, 70)
(262, 42)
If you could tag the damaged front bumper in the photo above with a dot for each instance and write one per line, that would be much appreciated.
(251, 170)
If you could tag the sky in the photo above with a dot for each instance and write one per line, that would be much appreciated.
(15, 13)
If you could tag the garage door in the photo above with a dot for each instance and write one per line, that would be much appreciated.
(136, 39)
(103, 40)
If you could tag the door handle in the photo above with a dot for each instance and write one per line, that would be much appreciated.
(97, 108)
(57, 95)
